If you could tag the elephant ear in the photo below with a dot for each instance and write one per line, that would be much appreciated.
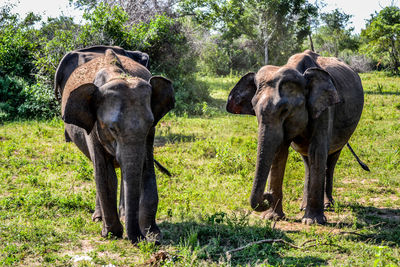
(239, 100)
(162, 97)
(79, 109)
(139, 57)
(322, 92)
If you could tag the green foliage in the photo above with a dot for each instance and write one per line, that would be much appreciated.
(39, 102)
(106, 25)
(334, 37)
(58, 36)
(222, 57)
(10, 96)
(277, 26)
(17, 47)
(33, 55)
(162, 38)
(190, 96)
(382, 40)
(19, 95)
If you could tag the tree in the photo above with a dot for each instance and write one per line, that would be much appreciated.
(333, 36)
(382, 36)
(282, 24)
(137, 10)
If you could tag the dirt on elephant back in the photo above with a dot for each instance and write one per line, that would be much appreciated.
(86, 73)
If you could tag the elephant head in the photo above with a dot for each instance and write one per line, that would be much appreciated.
(120, 110)
(285, 101)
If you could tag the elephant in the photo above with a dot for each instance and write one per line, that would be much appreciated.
(110, 106)
(312, 104)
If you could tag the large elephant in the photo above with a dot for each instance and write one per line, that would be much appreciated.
(110, 106)
(312, 103)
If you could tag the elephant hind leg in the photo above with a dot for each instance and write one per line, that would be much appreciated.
(121, 202)
(306, 181)
(96, 217)
(331, 163)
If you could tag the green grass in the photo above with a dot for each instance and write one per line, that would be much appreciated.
(47, 194)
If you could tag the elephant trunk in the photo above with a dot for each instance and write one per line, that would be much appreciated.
(268, 141)
(131, 160)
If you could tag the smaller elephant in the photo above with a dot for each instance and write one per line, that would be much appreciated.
(111, 105)
(313, 104)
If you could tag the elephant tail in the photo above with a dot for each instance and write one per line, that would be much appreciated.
(163, 169)
(362, 164)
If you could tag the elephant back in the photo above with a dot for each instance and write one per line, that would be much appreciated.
(86, 73)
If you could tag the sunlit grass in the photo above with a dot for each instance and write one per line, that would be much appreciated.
(47, 193)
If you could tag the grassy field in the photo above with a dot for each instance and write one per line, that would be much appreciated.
(47, 195)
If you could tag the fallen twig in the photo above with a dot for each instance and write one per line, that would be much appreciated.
(302, 246)
(356, 232)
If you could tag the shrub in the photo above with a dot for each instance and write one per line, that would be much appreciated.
(358, 62)
(10, 96)
(190, 94)
(39, 102)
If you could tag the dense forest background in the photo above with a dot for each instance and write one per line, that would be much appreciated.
(185, 40)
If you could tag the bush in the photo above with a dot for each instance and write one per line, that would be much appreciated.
(33, 55)
(221, 58)
(39, 102)
(17, 46)
(10, 96)
(190, 95)
(358, 62)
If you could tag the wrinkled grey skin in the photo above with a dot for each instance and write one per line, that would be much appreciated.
(312, 103)
(80, 56)
(112, 120)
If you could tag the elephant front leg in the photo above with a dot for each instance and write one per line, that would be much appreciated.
(275, 180)
(148, 207)
(106, 186)
(149, 195)
(314, 212)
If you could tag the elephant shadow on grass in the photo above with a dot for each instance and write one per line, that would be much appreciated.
(381, 93)
(382, 223)
(211, 239)
(172, 138)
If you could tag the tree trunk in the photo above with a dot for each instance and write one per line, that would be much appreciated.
(266, 51)
(395, 57)
(311, 43)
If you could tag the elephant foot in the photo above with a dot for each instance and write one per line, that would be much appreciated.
(115, 230)
(96, 217)
(153, 234)
(314, 217)
(273, 215)
(136, 237)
